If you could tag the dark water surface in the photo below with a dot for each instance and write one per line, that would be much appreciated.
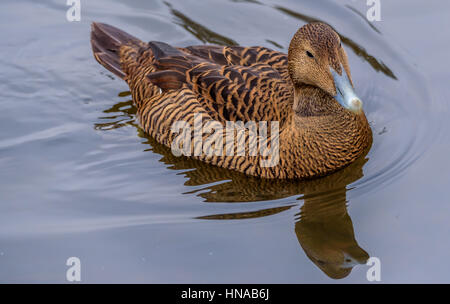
(79, 178)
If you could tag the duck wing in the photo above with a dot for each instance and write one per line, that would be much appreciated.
(243, 56)
(232, 84)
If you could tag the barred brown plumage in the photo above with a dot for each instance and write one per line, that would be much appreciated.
(317, 134)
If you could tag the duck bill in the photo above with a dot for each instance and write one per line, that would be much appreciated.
(345, 94)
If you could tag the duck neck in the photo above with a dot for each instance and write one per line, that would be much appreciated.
(321, 136)
(312, 101)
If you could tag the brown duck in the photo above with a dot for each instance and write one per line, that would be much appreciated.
(308, 92)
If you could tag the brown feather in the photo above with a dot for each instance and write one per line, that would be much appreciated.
(317, 135)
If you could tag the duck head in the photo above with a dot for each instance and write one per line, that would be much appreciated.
(316, 57)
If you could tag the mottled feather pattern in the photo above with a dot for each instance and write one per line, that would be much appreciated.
(236, 84)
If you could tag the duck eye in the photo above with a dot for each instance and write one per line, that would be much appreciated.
(309, 54)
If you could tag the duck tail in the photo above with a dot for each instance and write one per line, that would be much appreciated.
(106, 41)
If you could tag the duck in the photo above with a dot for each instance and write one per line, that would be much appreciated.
(184, 95)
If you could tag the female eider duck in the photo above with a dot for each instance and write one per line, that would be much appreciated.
(306, 95)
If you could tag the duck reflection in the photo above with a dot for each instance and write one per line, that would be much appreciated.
(325, 232)
(323, 227)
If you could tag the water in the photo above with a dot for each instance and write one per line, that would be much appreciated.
(79, 178)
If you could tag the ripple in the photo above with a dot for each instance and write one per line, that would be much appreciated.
(41, 135)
